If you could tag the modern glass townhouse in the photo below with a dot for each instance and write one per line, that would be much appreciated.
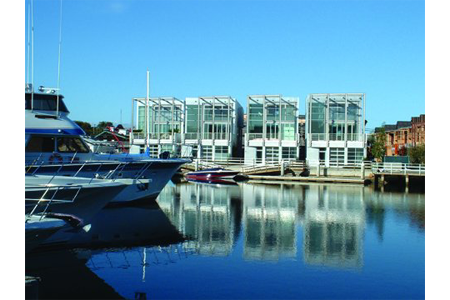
(335, 128)
(161, 126)
(272, 129)
(213, 127)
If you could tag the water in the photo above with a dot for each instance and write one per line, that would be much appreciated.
(244, 242)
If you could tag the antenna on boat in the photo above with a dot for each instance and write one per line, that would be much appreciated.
(147, 117)
(59, 59)
(29, 86)
(27, 78)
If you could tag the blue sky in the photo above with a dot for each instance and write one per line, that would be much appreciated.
(236, 48)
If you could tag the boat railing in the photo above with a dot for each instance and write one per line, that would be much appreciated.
(111, 174)
(52, 199)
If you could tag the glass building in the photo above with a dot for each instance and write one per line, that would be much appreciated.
(161, 127)
(272, 129)
(213, 127)
(335, 128)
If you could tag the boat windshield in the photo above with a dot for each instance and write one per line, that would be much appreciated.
(46, 143)
(45, 102)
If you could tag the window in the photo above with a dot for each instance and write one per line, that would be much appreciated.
(322, 153)
(192, 121)
(288, 132)
(207, 152)
(355, 155)
(317, 117)
(221, 153)
(45, 102)
(289, 153)
(153, 150)
(41, 144)
(272, 154)
(337, 155)
(71, 144)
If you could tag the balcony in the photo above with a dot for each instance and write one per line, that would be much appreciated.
(337, 137)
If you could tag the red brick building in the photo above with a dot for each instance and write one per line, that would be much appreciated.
(404, 134)
(418, 130)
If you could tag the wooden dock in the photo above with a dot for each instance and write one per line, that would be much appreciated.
(289, 171)
(288, 179)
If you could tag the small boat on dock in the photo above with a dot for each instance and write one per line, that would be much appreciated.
(212, 175)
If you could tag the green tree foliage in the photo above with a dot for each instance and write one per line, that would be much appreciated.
(92, 131)
(85, 126)
(378, 148)
(417, 154)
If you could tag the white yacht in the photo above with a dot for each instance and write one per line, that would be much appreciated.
(68, 195)
(54, 145)
(38, 230)
(134, 189)
(60, 196)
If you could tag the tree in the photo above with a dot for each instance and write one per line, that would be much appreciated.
(378, 148)
(101, 126)
(417, 154)
(85, 126)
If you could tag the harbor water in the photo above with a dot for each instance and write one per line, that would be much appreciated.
(246, 241)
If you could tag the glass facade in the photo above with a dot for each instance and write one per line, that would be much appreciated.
(165, 124)
(338, 120)
(272, 118)
(335, 117)
(272, 127)
(165, 117)
(215, 121)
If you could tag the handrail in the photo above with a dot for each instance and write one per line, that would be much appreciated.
(355, 164)
(52, 199)
(398, 168)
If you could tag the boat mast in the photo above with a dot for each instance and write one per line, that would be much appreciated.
(32, 56)
(146, 112)
(59, 58)
(28, 48)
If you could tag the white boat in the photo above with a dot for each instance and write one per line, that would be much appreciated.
(66, 195)
(133, 190)
(37, 230)
(53, 143)
(69, 195)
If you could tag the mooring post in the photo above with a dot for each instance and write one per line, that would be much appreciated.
(407, 180)
(196, 165)
(318, 170)
(363, 170)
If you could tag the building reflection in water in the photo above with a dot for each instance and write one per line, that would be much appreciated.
(333, 226)
(333, 219)
(208, 215)
(269, 220)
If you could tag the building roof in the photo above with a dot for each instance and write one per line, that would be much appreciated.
(403, 124)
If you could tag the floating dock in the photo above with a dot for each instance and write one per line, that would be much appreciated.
(307, 179)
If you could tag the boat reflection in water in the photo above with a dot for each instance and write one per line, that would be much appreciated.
(246, 241)
(121, 240)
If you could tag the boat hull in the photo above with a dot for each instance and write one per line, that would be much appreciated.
(36, 232)
(154, 178)
(86, 204)
(212, 176)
